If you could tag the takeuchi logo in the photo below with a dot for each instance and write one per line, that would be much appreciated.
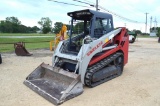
(94, 48)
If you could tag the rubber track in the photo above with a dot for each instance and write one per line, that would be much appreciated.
(97, 67)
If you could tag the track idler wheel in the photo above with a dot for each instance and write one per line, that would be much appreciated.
(119, 63)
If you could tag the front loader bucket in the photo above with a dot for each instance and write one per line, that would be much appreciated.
(20, 49)
(54, 84)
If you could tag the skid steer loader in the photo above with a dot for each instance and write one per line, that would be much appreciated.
(92, 57)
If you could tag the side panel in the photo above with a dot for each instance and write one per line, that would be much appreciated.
(122, 39)
(93, 48)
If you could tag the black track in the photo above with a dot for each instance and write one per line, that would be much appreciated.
(116, 59)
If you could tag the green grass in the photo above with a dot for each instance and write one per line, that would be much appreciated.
(30, 43)
(25, 34)
(146, 36)
(14, 40)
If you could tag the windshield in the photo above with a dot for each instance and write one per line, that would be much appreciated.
(80, 26)
(102, 26)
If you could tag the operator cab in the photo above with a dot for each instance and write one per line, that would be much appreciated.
(98, 23)
(87, 23)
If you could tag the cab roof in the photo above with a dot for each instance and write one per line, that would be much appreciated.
(88, 14)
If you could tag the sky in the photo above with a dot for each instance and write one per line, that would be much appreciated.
(29, 12)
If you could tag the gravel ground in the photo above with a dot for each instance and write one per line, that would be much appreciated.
(139, 84)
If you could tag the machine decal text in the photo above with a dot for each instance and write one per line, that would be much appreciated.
(94, 48)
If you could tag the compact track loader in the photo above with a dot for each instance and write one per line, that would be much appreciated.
(92, 57)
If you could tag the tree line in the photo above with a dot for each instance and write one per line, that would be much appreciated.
(13, 25)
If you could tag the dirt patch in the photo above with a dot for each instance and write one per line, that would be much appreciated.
(138, 85)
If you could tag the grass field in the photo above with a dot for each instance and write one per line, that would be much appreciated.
(25, 34)
(31, 43)
(146, 36)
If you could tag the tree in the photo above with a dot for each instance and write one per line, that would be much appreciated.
(10, 25)
(13, 25)
(154, 29)
(158, 34)
(57, 27)
(79, 27)
(13, 20)
(35, 29)
(46, 24)
(6, 27)
(32, 29)
(137, 31)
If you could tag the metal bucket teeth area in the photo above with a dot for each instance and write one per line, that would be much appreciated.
(54, 84)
